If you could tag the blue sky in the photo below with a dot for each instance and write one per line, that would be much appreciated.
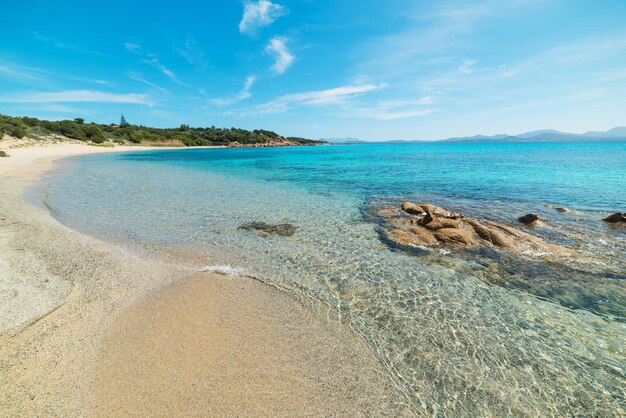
(393, 69)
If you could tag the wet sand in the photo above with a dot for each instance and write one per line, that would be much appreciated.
(87, 330)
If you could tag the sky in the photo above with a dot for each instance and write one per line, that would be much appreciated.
(374, 70)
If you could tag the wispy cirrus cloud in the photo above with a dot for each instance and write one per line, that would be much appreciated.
(132, 47)
(191, 52)
(29, 75)
(20, 73)
(153, 61)
(283, 58)
(63, 45)
(259, 14)
(169, 73)
(392, 109)
(140, 79)
(335, 95)
(77, 96)
(242, 95)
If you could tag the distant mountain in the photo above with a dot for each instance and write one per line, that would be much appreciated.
(344, 140)
(618, 133)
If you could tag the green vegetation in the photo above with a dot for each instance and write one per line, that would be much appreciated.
(125, 133)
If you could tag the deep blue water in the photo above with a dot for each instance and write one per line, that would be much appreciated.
(464, 334)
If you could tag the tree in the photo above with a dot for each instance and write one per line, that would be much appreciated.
(79, 121)
(123, 121)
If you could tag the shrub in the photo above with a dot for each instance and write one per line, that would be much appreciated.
(18, 132)
(93, 133)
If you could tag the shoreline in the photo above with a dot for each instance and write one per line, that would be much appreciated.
(88, 330)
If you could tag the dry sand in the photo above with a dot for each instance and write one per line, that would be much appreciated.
(86, 330)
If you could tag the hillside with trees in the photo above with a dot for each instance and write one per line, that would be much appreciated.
(126, 133)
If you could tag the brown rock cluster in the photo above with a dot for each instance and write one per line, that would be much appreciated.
(427, 225)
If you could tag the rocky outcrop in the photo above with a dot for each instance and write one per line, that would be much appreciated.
(265, 230)
(615, 218)
(426, 225)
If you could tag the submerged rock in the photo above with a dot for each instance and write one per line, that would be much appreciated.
(265, 230)
(563, 210)
(528, 218)
(438, 227)
(615, 218)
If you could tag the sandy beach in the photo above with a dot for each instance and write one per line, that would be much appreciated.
(87, 330)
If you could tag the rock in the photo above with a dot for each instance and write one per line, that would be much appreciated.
(455, 236)
(389, 212)
(528, 218)
(615, 218)
(428, 218)
(428, 208)
(563, 210)
(3, 154)
(441, 228)
(435, 211)
(412, 208)
(285, 230)
(425, 237)
(406, 239)
(490, 234)
(440, 223)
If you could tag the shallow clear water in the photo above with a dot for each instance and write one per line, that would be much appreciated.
(463, 333)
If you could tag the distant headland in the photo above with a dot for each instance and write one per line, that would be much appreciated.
(125, 133)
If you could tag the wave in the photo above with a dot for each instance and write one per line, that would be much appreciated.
(224, 269)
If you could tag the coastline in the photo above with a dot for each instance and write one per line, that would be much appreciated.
(88, 330)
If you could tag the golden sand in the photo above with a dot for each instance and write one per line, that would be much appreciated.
(86, 330)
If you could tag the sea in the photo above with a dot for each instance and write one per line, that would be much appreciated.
(478, 332)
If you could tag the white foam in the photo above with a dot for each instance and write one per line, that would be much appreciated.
(224, 269)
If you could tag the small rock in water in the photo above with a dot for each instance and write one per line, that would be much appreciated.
(528, 218)
(265, 230)
(615, 218)
(563, 210)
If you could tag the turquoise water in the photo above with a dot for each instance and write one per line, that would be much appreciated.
(463, 333)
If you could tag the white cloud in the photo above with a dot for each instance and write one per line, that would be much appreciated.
(19, 72)
(393, 109)
(282, 57)
(30, 75)
(156, 64)
(132, 47)
(63, 45)
(191, 52)
(75, 96)
(138, 77)
(259, 14)
(466, 67)
(242, 95)
(316, 98)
